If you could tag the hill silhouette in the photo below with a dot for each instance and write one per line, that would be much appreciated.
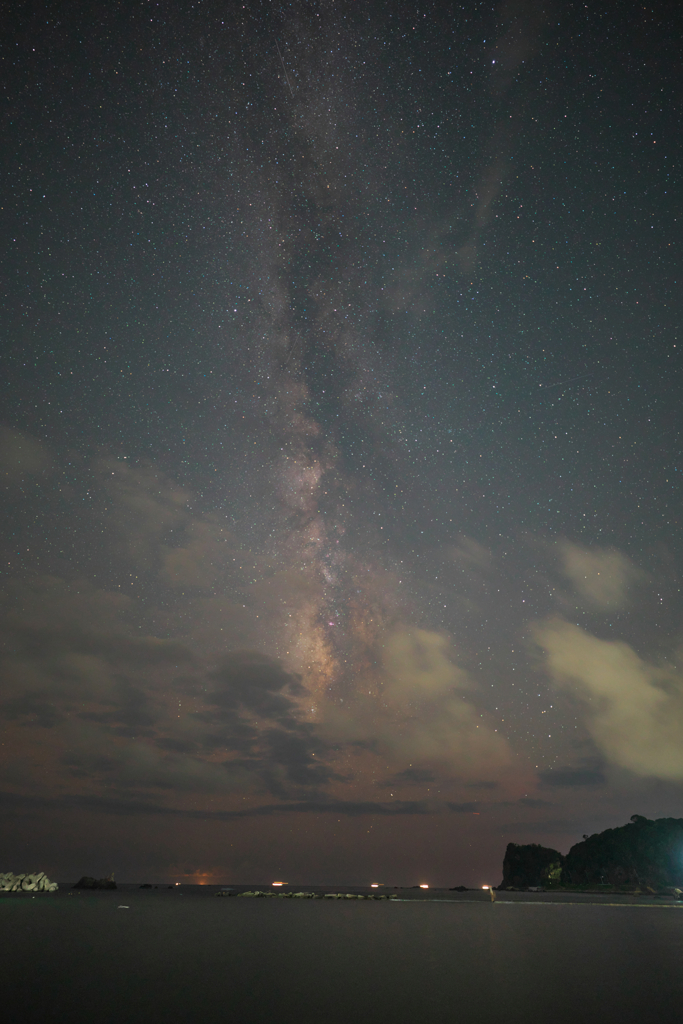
(644, 852)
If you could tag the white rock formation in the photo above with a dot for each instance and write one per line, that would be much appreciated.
(37, 882)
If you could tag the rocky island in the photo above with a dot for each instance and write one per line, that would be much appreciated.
(645, 853)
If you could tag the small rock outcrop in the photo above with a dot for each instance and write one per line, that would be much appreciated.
(530, 865)
(258, 894)
(36, 882)
(86, 882)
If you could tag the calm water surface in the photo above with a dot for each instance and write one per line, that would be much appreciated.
(81, 959)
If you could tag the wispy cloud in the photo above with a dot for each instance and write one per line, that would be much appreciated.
(602, 577)
(633, 708)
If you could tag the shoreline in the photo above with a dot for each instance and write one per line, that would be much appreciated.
(349, 894)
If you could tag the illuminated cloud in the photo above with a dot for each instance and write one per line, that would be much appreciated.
(634, 709)
(428, 691)
(419, 667)
(601, 576)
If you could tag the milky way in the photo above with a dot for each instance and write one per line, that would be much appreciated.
(340, 436)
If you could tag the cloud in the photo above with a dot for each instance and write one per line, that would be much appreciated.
(423, 714)
(9, 802)
(253, 700)
(419, 667)
(67, 651)
(569, 777)
(634, 709)
(145, 508)
(201, 558)
(426, 689)
(257, 682)
(469, 552)
(21, 455)
(457, 241)
(411, 777)
(474, 806)
(602, 576)
(71, 663)
(141, 765)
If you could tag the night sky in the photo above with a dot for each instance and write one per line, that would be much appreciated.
(340, 430)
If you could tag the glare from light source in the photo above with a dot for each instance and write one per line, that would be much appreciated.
(374, 885)
(486, 886)
(278, 883)
(423, 886)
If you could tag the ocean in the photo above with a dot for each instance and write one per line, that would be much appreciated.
(163, 956)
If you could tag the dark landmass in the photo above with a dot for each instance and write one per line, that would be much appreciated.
(643, 854)
(86, 882)
(530, 865)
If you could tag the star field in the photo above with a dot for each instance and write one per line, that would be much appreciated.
(340, 434)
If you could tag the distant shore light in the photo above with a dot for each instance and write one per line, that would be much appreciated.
(374, 885)
(423, 886)
(486, 886)
(278, 883)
